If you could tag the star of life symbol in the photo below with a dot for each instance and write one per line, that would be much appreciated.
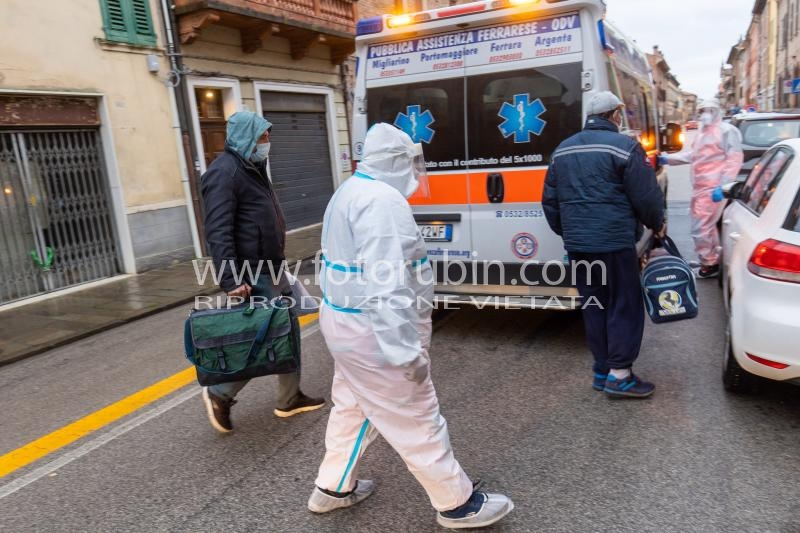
(522, 118)
(416, 123)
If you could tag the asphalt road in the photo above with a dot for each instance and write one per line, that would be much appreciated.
(514, 387)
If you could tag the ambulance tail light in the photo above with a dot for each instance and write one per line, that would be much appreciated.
(369, 26)
(776, 260)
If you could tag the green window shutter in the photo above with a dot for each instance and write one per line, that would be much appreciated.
(128, 21)
(142, 23)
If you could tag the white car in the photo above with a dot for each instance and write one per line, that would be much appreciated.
(761, 271)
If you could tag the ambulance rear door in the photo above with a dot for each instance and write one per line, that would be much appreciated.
(417, 84)
(523, 98)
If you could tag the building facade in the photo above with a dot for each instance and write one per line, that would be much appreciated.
(764, 63)
(93, 178)
(669, 96)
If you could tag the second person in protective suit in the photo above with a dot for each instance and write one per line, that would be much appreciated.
(715, 157)
(377, 326)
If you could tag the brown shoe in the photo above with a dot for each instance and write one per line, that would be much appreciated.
(300, 404)
(218, 411)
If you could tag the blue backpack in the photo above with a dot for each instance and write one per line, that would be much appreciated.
(669, 286)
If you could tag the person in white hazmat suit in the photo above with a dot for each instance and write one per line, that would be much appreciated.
(715, 157)
(376, 319)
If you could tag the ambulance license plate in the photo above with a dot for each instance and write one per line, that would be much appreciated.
(437, 232)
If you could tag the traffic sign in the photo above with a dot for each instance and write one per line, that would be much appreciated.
(796, 86)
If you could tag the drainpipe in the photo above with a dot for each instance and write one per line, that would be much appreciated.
(343, 72)
(173, 81)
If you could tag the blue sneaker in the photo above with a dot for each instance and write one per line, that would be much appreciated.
(630, 387)
(599, 383)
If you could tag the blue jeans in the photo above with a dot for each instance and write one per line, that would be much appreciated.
(288, 384)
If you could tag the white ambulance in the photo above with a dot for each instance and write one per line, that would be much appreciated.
(490, 89)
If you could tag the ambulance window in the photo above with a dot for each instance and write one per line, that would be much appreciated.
(518, 118)
(438, 123)
(638, 107)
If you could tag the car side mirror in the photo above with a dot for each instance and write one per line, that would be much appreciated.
(732, 190)
(672, 137)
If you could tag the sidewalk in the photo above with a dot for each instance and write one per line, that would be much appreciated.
(41, 325)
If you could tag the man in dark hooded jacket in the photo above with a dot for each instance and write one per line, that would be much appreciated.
(244, 225)
(599, 188)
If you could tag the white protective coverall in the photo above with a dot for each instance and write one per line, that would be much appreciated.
(715, 157)
(376, 269)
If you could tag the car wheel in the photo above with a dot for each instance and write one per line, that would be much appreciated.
(734, 378)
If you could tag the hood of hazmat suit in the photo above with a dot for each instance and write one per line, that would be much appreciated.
(243, 130)
(377, 288)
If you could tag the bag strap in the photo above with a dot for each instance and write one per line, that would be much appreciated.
(669, 245)
(260, 337)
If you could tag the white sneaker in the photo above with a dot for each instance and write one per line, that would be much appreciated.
(482, 509)
(319, 502)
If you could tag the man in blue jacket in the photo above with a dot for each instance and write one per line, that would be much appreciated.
(244, 225)
(599, 188)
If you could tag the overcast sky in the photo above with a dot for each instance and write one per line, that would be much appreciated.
(695, 35)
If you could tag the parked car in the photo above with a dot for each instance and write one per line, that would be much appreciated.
(762, 130)
(761, 271)
(691, 124)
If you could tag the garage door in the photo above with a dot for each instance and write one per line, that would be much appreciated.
(300, 158)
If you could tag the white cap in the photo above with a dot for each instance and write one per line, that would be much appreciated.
(603, 102)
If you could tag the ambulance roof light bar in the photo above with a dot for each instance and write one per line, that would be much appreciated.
(376, 24)
(454, 11)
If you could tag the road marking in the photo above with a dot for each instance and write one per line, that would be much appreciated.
(35, 450)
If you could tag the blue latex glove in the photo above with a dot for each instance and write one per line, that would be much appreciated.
(717, 195)
(662, 160)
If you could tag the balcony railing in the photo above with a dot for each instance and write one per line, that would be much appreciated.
(302, 22)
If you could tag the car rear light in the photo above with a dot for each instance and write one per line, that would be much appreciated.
(767, 362)
(776, 260)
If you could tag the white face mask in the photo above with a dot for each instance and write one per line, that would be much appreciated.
(261, 153)
(706, 118)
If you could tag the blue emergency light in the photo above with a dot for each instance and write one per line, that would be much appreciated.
(369, 26)
(601, 29)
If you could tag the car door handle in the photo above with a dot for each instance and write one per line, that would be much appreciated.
(726, 221)
(735, 236)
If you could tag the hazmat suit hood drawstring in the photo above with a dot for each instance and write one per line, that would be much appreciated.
(243, 130)
(388, 153)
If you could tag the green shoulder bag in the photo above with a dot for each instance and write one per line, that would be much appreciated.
(242, 342)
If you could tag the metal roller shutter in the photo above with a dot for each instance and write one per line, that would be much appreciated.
(300, 160)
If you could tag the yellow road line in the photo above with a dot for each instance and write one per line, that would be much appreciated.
(35, 450)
